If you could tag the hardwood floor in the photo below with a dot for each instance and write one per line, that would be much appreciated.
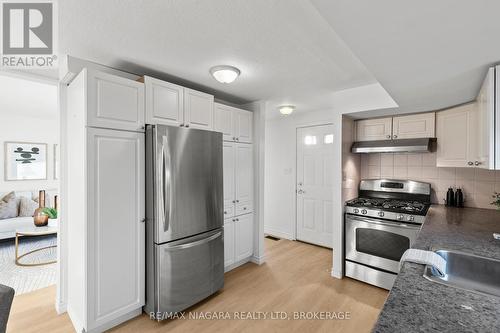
(295, 278)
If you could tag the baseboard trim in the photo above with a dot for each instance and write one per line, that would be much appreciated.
(277, 233)
(61, 307)
(336, 274)
(116, 321)
(258, 260)
(236, 264)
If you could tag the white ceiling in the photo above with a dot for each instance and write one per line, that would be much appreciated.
(22, 97)
(427, 54)
(286, 51)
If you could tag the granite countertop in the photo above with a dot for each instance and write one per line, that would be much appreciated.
(418, 305)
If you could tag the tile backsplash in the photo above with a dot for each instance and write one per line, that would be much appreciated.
(477, 184)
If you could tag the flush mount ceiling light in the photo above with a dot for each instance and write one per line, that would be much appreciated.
(286, 109)
(225, 74)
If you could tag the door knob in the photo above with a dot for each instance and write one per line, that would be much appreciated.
(470, 163)
(477, 163)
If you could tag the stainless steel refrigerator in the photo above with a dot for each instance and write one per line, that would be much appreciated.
(184, 210)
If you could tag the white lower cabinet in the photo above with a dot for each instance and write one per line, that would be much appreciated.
(238, 240)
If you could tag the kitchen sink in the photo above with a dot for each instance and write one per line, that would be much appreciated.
(467, 271)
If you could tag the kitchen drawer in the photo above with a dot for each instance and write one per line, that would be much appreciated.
(228, 211)
(243, 208)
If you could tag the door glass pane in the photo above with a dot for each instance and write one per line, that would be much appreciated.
(380, 243)
(310, 140)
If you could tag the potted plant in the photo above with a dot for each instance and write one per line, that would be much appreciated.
(52, 214)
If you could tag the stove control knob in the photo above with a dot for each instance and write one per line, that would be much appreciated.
(364, 211)
(400, 217)
(411, 218)
(381, 214)
(356, 211)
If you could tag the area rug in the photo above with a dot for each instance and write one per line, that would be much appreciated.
(26, 279)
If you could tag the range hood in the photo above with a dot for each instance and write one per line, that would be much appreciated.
(423, 145)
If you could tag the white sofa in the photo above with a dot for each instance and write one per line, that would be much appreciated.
(8, 227)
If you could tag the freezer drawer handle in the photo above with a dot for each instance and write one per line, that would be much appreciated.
(195, 243)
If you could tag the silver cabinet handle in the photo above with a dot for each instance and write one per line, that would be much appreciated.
(237, 201)
(181, 125)
(395, 136)
(234, 138)
(187, 125)
(300, 191)
(225, 212)
(477, 163)
(237, 220)
(143, 220)
(237, 139)
(470, 163)
(388, 136)
(300, 184)
(244, 208)
(234, 201)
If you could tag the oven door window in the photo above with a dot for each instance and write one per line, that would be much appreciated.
(381, 243)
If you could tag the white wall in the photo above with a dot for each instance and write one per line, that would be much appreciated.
(28, 113)
(280, 166)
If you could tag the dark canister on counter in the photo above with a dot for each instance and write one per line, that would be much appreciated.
(450, 197)
(459, 198)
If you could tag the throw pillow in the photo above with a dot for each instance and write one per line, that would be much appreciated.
(27, 207)
(9, 196)
(8, 206)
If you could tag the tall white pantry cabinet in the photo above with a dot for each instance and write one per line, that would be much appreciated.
(106, 240)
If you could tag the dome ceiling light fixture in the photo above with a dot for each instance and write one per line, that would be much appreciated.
(286, 109)
(224, 73)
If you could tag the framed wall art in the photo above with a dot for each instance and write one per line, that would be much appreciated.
(25, 161)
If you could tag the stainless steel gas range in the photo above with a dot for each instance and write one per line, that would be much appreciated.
(381, 225)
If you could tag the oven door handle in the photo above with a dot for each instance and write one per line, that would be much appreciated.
(389, 224)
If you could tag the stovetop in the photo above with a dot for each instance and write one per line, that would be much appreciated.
(390, 205)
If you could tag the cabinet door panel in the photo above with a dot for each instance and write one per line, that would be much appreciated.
(420, 125)
(198, 109)
(229, 240)
(456, 130)
(115, 102)
(244, 236)
(243, 126)
(244, 173)
(223, 121)
(486, 123)
(164, 102)
(115, 230)
(374, 129)
(228, 157)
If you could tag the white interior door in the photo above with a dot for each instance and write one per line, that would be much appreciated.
(314, 184)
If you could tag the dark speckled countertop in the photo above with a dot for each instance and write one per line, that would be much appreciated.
(418, 305)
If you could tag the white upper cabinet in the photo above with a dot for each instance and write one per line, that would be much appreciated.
(244, 173)
(374, 129)
(243, 121)
(457, 136)
(228, 152)
(171, 104)
(223, 121)
(486, 123)
(114, 102)
(421, 125)
(198, 109)
(235, 124)
(164, 102)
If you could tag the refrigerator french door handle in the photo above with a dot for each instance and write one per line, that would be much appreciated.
(195, 243)
(166, 183)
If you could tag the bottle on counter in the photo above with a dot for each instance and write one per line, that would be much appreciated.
(459, 198)
(450, 197)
